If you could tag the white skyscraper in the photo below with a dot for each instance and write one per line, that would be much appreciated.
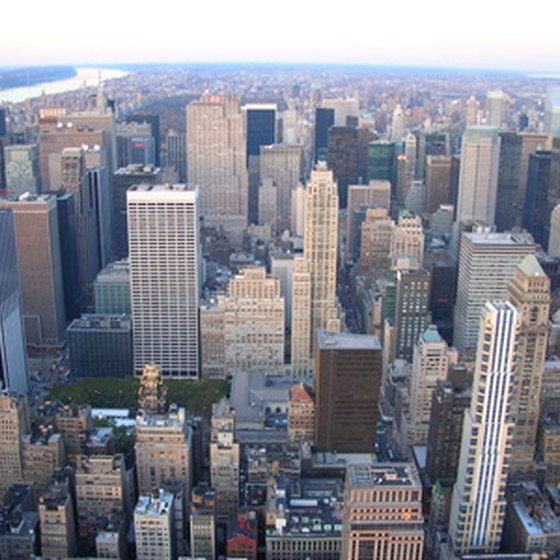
(479, 500)
(478, 175)
(552, 111)
(164, 257)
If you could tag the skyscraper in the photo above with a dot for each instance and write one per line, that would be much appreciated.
(552, 112)
(342, 158)
(529, 292)
(164, 276)
(13, 357)
(348, 374)
(153, 121)
(324, 119)
(478, 179)
(479, 501)
(320, 252)
(22, 169)
(487, 263)
(216, 161)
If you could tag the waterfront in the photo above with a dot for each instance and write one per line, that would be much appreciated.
(84, 77)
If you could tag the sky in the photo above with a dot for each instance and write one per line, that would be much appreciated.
(491, 34)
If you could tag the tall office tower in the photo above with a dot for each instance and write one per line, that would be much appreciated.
(431, 144)
(224, 458)
(40, 268)
(3, 127)
(112, 289)
(496, 109)
(438, 182)
(153, 527)
(515, 150)
(450, 399)
(164, 271)
(554, 235)
(411, 151)
(153, 121)
(298, 210)
(375, 244)
(123, 179)
(342, 159)
(403, 181)
(552, 112)
(529, 292)
(472, 109)
(375, 194)
(75, 179)
(135, 144)
(203, 522)
(381, 161)
(412, 313)
(58, 521)
(478, 504)
(346, 111)
(100, 491)
(16, 422)
(283, 163)
(152, 392)
(282, 266)
(430, 364)
(382, 516)
(13, 355)
(478, 180)
(487, 263)
(301, 414)
(348, 374)
(324, 119)
(164, 451)
(300, 343)
(260, 125)
(407, 241)
(22, 169)
(216, 162)
(176, 143)
(397, 125)
(267, 211)
(320, 250)
(543, 193)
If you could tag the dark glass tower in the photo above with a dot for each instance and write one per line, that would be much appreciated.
(324, 119)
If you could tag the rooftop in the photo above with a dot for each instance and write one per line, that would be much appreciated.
(137, 169)
(347, 341)
(150, 506)
(383, 474)
(531, 267)
(493, 238)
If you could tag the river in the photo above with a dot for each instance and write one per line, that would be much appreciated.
(84, 77)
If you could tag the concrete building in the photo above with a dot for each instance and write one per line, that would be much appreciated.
(301, 414)
(40, 267)
(163, 229)
(375, 247)
(282, 266)
(163, 452)
(100, 346)
(224, 458)
(438, 182)
(552, 112)
(346, 110)
(123, 179)
(43, 454)
(407, 242)
(478, 504)
(382, 515)
(496, 109)
(13, 356)
(111, 541)
(348, 374)
(153, 527)
(430, 364)
(478, 176)
(301, 317)
(22, 169)
(74, 422)
(529, 292)
(112, 290)
(203, 522)
(487, 263)
(176, 143)
(320, 256)
(216, 161)
(554, 236)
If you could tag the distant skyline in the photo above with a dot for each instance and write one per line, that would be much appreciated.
(432, 33)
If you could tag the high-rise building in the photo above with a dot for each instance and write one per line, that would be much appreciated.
(381, 161)
(216, 161)
(282, 266)
(22, 169)
(153, 527)
(40, 267)
(397, 125)
(407, 241)
(320, 256)
(375, 246)
(472, 110)
(13, 356)
(283, 163)
(164, 277)
(552, 112)
(382, 515)
(487, 263)
(112, 289)
(438, 182)
(301, 414)
(342, 159)
(529, 292)
(348, 374)
(164, 452)
(431, 360)
(152, 393)
(153, 121)
(203, 522)
(496, 109)
(479, 500)
(224, 458)
(412, 313)
(554, 234)
(301, 316)
(135, 144)
(478, 180)
(176, 143)
(346, 110)
(324, 119)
